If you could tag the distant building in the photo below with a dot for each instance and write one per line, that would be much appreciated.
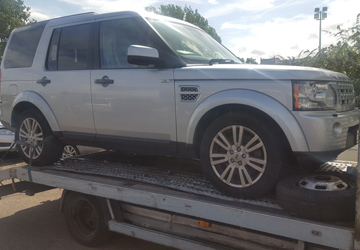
(270, 61)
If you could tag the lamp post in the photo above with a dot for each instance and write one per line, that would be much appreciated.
(320, 15)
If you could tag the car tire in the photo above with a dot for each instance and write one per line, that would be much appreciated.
(254, 163)
(70, 151)
(85, 220)
(36, 131)
(320, 196)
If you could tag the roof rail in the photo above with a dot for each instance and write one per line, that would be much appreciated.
(80, 14)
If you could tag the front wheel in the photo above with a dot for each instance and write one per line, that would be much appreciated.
(36, 140)
(242, 155)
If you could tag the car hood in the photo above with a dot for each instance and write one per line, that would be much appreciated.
(256, 72)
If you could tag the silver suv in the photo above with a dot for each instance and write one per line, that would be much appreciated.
(157, 85)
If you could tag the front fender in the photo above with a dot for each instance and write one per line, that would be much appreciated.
(41, 104)
(277, 111)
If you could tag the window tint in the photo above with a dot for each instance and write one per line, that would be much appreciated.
(115, 38)
(22, 46)
(74, 50)
(51, 63)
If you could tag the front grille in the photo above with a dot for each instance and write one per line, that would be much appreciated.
(345, 96)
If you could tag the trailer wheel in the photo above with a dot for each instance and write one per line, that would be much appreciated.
(320, 196)
(33, 129)
(85, 220)
(242, 155)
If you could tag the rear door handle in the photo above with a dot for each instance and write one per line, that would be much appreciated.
(44, 81)
(105, 80)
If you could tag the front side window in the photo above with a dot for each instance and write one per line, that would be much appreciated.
(70, 48)
(115, 38)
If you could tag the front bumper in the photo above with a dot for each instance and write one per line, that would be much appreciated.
(328, 131)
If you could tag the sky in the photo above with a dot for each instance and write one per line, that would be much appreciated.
(249, 28)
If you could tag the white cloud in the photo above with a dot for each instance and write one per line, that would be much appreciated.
(278, 37)
(288, 37)
(238, 26)
(247, 5)
(213, 2)
(102, 6)
(38, 16)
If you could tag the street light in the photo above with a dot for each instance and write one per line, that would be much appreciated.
(320, 15)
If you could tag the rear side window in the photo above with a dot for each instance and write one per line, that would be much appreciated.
(22, 46)
(70, 48)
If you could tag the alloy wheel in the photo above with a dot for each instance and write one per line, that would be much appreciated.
(238, 156)
(69, 151)
(31, 135)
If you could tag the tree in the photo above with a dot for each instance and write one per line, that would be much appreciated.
(13, 14)
(248, 60)
(251, 60)
(187, 14)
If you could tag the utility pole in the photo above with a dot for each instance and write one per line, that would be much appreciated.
(320, 15)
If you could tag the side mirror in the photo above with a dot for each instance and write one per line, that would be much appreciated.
(142, 55)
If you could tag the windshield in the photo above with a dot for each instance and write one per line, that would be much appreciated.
(193, 45)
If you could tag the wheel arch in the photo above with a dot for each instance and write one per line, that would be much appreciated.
(102, 201)
(31, 100)
(264, 106)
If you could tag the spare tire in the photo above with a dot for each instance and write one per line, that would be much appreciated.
(320, 196)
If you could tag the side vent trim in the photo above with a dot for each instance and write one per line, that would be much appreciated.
(189, 93)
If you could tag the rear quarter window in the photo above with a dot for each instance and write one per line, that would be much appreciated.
(70, 48)
(22, 46)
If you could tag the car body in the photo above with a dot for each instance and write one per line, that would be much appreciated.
(151, 84)
(7, 137)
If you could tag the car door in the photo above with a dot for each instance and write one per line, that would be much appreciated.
(134, 106)
(64, 80)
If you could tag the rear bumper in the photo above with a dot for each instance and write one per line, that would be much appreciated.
(5, 141)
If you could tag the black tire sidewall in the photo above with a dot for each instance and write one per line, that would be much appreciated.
(314, 204)
(52, 147)
(76, 150)
(101, 234)
(276, 157)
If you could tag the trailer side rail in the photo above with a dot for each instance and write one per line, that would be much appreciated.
(267, 221)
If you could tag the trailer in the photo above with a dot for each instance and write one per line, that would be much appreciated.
(176, 209)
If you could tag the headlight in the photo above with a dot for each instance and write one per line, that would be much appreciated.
(313, 96)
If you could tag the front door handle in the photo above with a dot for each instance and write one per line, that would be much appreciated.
(44, 81)
(105, 81)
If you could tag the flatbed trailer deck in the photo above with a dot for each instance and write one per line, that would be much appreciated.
(199, 218)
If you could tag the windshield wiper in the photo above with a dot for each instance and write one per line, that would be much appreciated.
(220, 61)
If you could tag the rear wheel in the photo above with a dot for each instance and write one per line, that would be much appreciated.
(70, 151)
(241, 155)
(85, 220)
(36, 139)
